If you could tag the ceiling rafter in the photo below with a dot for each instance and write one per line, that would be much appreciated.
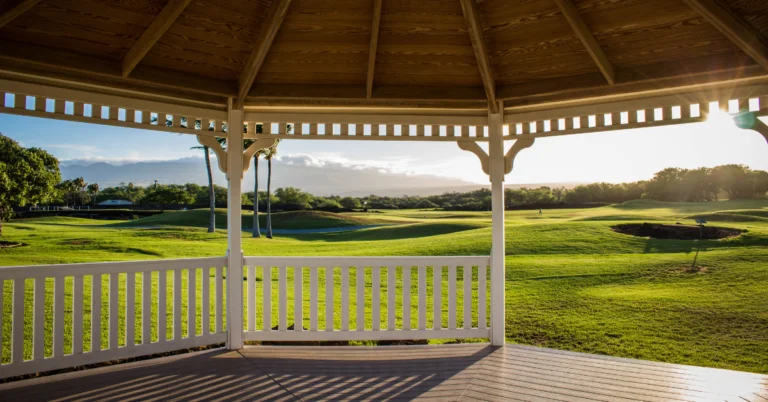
(32, 60)
(16, 11)
(587, 38)
(269, 29)
(734, 27)
(471, 15)
(372, 48)
(152, 34)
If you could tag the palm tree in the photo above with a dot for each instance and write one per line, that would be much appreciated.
(78, 186)
(211, 192)
(256, 229)
(271, 152)
(93, 191)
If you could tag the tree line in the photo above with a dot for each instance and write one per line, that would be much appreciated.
(671, 184)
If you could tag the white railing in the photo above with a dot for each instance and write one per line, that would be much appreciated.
(340, 298)
(60, 316)
(78, 314)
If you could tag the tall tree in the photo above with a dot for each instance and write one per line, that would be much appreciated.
(256, 229)
(79, 185)
(93, 191)
(270, 153)
(27, 176)
(211, 192)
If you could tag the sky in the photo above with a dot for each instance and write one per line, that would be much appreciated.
(616, 156)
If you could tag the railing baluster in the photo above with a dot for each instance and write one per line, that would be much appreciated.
(162, 276)
(282, 300)
(17, 351)
(146, 308)
(406, 297)
(266, 282)
(38, 332)
(375, 298)
(219, 301)
(58, 317)
(113, 304)
(313, 272)
(481, 294)
(298, 306)
(191, 302)
(437, 294)
(130, 308)
(2, 281)
(96, 313)
(344, 296)
(467, 297)
(360, 292)
(329, 297)
(452, 297)
(422, 298)
(251, 298)
(205, 313)
(177, 304)
(391, 294)
(77, 315)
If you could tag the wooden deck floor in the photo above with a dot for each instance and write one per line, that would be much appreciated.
(451, 372)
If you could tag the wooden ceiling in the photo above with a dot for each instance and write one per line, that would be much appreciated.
(394, 53)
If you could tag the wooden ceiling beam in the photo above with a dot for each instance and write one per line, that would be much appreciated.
(587, 38)
(16, 11)
(472, 16)
(152, 34)
(373, 46)
(734, 28)
(269, 29)
(727, 70)
(355, 92)
(58, 64)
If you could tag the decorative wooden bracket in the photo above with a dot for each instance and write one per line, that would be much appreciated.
(750, 121)
(472, 146)
(256, 146)
(519, 145)
(509, 159)
(221, 153)
(762, 128)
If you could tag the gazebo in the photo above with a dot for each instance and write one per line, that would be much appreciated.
(499, 72)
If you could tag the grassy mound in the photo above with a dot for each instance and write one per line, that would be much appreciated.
(748, 215)
(394, 232)
(280, 220)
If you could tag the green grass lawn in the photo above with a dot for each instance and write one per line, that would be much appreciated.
(280, 220)
(572, 283)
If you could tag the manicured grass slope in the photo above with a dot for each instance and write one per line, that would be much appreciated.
(572, 283)
(280, 220)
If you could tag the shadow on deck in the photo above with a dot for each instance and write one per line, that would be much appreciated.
(449, 372)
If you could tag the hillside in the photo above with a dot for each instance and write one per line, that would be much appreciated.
(280, 220)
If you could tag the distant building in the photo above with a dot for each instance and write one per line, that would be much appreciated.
(112, 203)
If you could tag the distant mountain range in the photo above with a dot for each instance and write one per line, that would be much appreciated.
(317, 178)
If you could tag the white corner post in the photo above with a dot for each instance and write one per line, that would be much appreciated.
(497, 171)
(234, 228)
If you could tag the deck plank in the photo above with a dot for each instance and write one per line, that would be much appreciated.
(468, 372)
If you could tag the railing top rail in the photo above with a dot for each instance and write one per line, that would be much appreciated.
(368, 261)
(60, 270)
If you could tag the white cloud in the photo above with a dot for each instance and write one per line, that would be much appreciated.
(397, 165)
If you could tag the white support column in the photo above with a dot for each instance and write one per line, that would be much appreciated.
(234, 229)
(497, 170)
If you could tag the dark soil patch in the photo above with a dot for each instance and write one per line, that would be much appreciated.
(679, 232)
(11, 244)
(695, 270)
